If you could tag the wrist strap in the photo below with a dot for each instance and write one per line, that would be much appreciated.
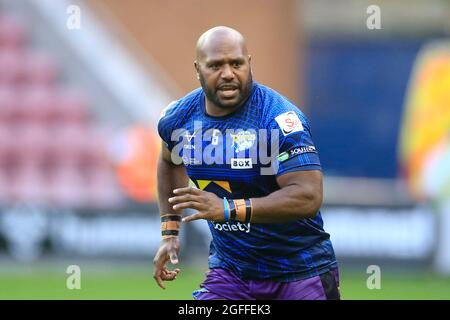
(241, 210)
(248, 210)
(170, 225)
(232, 210)
(226, 209)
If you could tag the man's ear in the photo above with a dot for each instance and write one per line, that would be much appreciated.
(196, 66)
(249, 58)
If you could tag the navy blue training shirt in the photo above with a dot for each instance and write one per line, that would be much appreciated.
(239, 156)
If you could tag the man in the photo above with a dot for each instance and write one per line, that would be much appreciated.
(268, 240)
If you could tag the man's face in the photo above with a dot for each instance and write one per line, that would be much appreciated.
(225, 75)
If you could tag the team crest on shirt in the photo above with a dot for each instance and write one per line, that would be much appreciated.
(289, 122)
(243, 140)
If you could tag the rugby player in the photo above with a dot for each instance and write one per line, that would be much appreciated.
(268, 240)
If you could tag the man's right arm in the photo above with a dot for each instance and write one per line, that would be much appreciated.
(169, 177)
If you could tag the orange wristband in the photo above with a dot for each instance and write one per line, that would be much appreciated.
(170, 225)
(242, 211)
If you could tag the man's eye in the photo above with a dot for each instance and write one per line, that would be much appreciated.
(215, 67)
(236, 65)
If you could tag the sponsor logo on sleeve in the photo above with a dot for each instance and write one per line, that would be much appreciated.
(295, 151)
(289, 122)
(283, 156)
(301, 150)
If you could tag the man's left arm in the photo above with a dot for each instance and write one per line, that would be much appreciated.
(298, 175)
(299, 197)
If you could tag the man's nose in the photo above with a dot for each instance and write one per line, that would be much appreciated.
(227, 72)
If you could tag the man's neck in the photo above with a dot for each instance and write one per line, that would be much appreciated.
(215, 111)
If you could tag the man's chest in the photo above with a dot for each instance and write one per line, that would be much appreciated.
(223, 148)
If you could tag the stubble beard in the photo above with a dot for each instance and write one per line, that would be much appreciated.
(211, 95)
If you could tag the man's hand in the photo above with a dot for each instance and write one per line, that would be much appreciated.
(208, 205)
(168, 250)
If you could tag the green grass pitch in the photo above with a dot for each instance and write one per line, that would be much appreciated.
(136, 282)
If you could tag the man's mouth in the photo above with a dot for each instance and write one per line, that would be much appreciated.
(228, 91)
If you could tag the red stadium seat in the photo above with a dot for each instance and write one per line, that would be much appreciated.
(93, 151)
(40, 69)
(5, 189)
(33, 142)
(67, 144)
(36, 104)
(11, 66)
(13, 33)
(67, 188)
(9, 151)
(103, 190)
(30, 186)
(48, 152)
(8, 102)
(54, 108)
(72, 106)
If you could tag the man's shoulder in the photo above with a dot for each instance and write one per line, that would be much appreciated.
(275, 105)
(181, 107)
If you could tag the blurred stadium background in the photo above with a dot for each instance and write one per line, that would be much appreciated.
(81, 87)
